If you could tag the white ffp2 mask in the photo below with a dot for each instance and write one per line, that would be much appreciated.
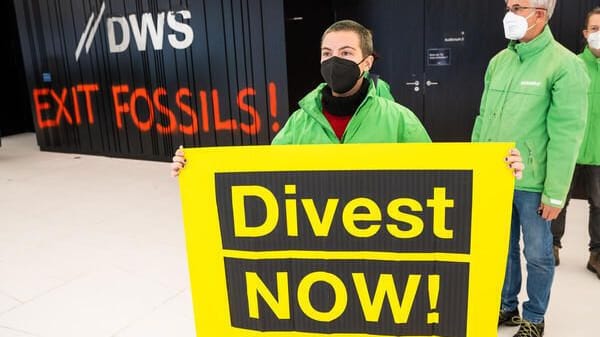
(594, 40)
(515, 26)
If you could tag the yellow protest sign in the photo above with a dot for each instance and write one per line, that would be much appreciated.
(347, 240)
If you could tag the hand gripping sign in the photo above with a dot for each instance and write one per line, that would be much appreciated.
(347, 240)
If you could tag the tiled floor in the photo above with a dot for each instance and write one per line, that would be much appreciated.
(94, 247)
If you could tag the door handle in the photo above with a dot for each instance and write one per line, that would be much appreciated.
(430, 83)
(415, 84)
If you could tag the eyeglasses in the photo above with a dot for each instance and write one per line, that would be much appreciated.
(517, 8)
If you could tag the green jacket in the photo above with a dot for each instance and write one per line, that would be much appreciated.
(536, 95)
(590, 148)
(377, 120)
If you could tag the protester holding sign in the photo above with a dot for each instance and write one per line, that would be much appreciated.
(348, 108)
(535, 95)
(280, 242)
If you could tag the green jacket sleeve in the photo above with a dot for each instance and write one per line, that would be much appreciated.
(285, 136)
(414, 131)
(565, 123)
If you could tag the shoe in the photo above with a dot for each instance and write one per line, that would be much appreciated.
(594, 263)
(528, 329)
(508, 318)
(556, 256)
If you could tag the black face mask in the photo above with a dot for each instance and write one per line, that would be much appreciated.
(340, 74)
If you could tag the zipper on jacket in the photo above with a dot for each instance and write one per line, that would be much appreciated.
(360, 106)
(531, 159)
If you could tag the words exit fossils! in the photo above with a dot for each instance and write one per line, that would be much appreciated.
(166, 111)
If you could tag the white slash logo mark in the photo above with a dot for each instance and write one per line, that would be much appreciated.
(88, 34)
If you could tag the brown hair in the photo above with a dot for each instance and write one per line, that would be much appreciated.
(365, 35)
(589, 15)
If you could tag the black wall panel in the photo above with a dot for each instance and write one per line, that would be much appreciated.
(16, 118)
(231, 75)
(138, 78)
(568, 21)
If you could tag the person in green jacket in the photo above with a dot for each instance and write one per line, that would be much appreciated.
(588, 163)
(348, 108)
(535, 95)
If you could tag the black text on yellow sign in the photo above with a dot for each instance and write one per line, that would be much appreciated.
(393, 211)
(353, 240)
(376, 297)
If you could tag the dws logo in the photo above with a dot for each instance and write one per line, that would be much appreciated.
(140, 30)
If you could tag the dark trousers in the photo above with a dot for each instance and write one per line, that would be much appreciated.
(590, 176)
